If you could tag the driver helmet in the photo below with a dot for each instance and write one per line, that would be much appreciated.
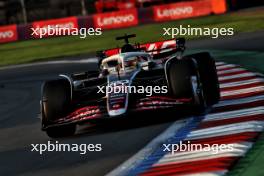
(131, 62)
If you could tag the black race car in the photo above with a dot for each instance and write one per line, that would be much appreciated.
(165, 77)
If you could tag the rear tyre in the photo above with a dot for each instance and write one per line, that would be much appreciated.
(179, 76)
(179, 73)
(208, 76)
(55, 103)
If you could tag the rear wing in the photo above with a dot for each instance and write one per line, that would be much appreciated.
(154, 48)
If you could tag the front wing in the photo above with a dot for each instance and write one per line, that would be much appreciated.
(98, 112)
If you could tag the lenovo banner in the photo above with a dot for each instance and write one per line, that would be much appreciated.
(8, 33)
(182, 10)
(116, 19)
(55, 27)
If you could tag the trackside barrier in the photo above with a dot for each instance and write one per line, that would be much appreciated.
(118, 19)
(63, 23)
(218, 6)
(181, 10)
(8, 33)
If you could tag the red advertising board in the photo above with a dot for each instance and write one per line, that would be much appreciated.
(55, 27)
(8, 33)
(219, 6)
(182, 10)
(116, 19)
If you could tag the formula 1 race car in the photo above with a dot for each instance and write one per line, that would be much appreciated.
(134, 78)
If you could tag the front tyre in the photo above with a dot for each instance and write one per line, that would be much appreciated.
(55, 104)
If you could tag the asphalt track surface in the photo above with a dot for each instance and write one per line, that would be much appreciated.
(20, 125)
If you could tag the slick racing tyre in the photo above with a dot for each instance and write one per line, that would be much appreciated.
(179, 76)
(208, 76)
(55, 102)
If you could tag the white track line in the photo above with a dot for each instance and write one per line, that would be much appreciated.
(241, 83)
(234, 70)
(214, 173)
(242, 91)
(239, 101)
(236, 128)
(235, 113)
(243, 75)
(226, 66)
(219, 63)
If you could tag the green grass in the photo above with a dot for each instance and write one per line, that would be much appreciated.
(252, 163)
(35, 50)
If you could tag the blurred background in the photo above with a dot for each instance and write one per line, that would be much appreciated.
(145, 18)
(23, 11)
